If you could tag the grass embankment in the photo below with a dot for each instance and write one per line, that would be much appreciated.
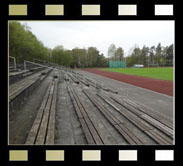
(162, 73)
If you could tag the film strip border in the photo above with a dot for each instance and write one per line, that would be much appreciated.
(96, 10)
(24, 156)
(90, 10)
(85, 10)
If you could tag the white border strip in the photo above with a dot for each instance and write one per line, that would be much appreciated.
(163, 10)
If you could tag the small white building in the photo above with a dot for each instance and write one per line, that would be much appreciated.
(138, 66)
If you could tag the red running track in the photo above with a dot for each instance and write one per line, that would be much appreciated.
(161, 86)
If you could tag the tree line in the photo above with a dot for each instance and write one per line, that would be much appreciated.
(148, 56)
(78, 57)
(24, 45)
(151, 56)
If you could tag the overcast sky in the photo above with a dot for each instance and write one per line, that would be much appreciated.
(101, 34)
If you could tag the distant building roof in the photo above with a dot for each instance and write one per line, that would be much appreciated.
(138, 65)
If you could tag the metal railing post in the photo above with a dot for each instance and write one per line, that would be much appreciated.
(14, 61)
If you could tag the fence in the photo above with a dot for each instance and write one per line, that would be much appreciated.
(117, 64)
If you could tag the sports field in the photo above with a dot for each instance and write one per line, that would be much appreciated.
(162, 73)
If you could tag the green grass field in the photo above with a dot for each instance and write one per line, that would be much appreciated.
(162, 73)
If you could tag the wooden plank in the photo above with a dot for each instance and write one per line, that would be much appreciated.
(105, 114)
(45, 99)
(103, 109)
(88, 121)
(18, 89)
(148, 119)
(100, 132)
(27, 74)
(51, 125)
(42, 131)
(95, 125)
(44, 74)
(13, 87)
(154, 114)
(43, 128)
(125, 135)
(136, 121)
(156, 137)
(66, 77)
(87, 133)
(74, 79)
(164, 137)
(127, 106)
(132, 135)
(16, 73)
(84, 126)
(158, 125)
(84, 82)
(108, 102)
(79, 114)
(78, 103)
(116, 92)
(142, 125)
(117, 127)
(22, 88)
(93, 132)
(35, 127)
(124, 128)
(36, 124)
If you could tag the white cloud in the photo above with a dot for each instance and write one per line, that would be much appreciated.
(101, 34)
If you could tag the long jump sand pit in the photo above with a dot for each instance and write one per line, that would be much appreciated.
(160, 86)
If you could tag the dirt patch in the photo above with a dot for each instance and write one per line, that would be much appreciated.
(161, 86)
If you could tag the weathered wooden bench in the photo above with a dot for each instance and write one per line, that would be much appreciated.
(159, 121)
(93, 84)
(119, 125)
(43, 128)
(94, 135)
(36, 69)
(19, 90)
(66, 78)
(83, 81)
(73, 78)
(15, 76)
(18, 75)
(156, 130)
